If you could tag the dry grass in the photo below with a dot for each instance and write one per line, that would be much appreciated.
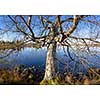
(22, 75)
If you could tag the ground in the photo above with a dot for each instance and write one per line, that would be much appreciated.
(22, 75)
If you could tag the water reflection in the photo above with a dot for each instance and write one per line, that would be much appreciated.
(36, 57)
(27, 57)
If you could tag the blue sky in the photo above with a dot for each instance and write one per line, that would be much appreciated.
(84, 30)
(10, 37)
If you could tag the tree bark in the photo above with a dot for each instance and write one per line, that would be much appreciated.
(51, 67)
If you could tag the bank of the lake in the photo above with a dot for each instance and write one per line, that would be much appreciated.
(22, 75)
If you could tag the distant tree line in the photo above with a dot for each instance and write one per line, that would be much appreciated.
(11, 42)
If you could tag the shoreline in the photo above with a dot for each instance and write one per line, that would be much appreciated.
(28, 76)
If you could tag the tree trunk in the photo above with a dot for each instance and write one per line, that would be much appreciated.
(50, 70)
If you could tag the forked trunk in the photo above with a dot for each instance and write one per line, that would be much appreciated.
(50, 70)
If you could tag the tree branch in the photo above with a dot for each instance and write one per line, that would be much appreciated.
(45, 20)
(73, 27)
(84, 39)
(58, 23)
(17, 25)
(28, 24)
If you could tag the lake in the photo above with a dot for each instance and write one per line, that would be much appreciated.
(36, 57)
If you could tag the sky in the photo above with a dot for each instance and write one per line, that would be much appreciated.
(10, 37)
(84, 30)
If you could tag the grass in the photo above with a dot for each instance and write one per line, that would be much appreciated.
(22, 75)
(19, 75)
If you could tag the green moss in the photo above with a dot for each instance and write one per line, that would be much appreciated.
(54, 81)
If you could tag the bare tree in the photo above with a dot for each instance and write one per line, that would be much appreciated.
(49, 31)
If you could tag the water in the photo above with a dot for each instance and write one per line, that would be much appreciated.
(26, 56)
(37, 57)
